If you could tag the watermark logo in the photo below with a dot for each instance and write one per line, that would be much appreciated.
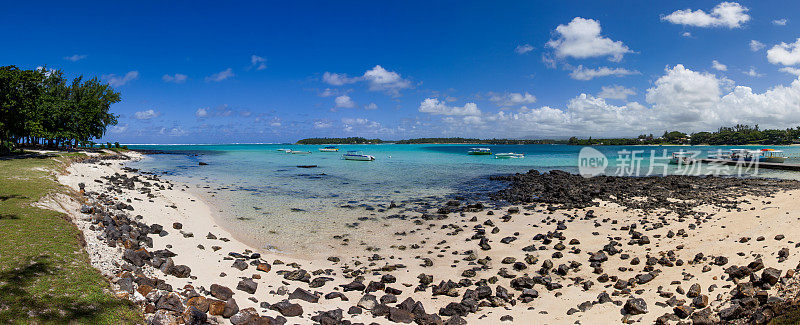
(591, 162)
(635, 162)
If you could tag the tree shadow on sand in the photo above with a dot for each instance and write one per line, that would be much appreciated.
(18, 303)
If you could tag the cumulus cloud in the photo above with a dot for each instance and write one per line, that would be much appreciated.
(581, 73)
(322, 125)
(790, 70)
(201, 112)
(258, 62)
(176, 78)
(524, 48)
(344, 101)
(380, 79)
(371, 106)
(581, 39)
(337, 79)
(686, 34)
(220, 76)
(753, 73)
(436, 107)
(718, 66)
(756, 46)
(725, 14)
(146, 115)
(75, 57)
(680, 99)
(513, 99)
(785, 54)
(780, 22)
(616, 92)
(117, 81)
(117, 129)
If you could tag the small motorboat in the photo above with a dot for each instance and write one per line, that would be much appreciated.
(681, 158)
(284, 150)
(329, 149)
(480, 151)
(357, 155)
(772, 156)
(299, 152)
(508, 155)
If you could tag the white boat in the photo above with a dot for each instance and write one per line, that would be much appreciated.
(284, 150)
(480, 151)
(357, 155)
(681, 158)
(772, 156)
(298, 152)
(508, 155)
(329, 149)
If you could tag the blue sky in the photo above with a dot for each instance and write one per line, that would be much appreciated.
(212, 72)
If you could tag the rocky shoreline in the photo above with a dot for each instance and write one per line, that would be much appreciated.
(567, 249)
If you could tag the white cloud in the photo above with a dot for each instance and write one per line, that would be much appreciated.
(220, 76)
(524, 48)
(344, 101)
(337, 79)
(785, 54)
(175, 131)
(201, 112)
(616, 92)
(681, 99)
(725, 14)
(360, 122)
(780, 22)
(756, 46)
(581, 73)
(176, 78)
(790, 70)
(512, 99)
(371, 106)
(380, 79)
(75, 57)
(117, 81)
(328, 92)
(322, 125)
(146, 115)
(117, 129)
(686, 34)
(436, 107)
(718, 66)
(258, 62)
(581, 39)
(753, 73)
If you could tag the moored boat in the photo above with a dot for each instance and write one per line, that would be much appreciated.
(480, 151)
(329, 149)
(772, 156)
(681, 158)
(508, 155)
(299, 152)
(357, 155)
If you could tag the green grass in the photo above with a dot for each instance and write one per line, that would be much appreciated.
(45, 274)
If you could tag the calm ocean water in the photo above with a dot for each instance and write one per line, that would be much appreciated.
(263, 196)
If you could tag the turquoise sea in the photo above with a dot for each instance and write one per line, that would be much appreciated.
(263, 196)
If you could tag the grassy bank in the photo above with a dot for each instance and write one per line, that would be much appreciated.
(45, 274)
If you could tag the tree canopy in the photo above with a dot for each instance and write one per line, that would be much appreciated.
(40, 106)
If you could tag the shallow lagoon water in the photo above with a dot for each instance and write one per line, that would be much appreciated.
(263, 197)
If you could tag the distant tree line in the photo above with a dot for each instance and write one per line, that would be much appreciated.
(41, 107)
(350, 140)
(475, 141)
(736, 135)
(745, 134)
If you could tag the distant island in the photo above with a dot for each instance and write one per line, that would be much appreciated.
(736, 135)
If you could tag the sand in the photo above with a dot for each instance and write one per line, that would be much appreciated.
(718, 235)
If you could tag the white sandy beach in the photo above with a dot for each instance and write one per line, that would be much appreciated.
(718, 235)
